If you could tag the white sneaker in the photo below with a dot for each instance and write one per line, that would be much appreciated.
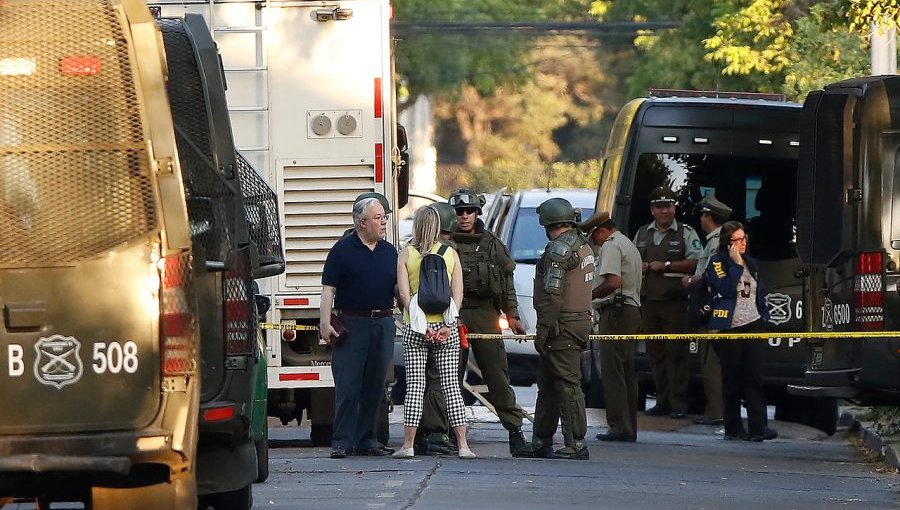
(405, 453)
(465, 453)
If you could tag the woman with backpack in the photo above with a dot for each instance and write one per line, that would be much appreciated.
(429, 279)
(738, 306)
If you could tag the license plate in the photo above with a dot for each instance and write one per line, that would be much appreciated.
(817, 355)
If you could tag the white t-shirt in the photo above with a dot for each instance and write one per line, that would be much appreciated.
(745, 310)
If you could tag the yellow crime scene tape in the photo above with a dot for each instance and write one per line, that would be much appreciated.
(833, 335)
(283, 326)
(848, 335)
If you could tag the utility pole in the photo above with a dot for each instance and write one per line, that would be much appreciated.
(883, 50)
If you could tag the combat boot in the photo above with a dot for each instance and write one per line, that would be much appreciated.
(578, 451)
(518, 447)
(542, 449)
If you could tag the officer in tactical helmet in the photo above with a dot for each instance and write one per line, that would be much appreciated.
(669, 250)
(488, 290)
(563, 282)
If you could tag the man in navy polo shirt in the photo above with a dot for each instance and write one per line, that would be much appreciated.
(360, 279)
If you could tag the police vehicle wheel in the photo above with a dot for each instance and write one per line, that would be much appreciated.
(320, 433)
(825, 415)
(262, 457)
(241, 499)
(383, 431)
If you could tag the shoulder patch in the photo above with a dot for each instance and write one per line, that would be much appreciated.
(697, 244)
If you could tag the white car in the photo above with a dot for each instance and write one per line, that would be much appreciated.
(516, 223)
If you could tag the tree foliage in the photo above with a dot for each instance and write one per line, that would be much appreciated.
(789, 46)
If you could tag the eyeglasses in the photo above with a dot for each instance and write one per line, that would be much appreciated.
(466, 210)
(743, 239)
(380, 218)
(462, 199)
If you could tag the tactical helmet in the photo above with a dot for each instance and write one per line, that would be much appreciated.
(449, 221)
(555, 211)
(463, 198)
(381, 198)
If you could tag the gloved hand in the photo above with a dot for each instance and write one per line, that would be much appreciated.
(516, 325)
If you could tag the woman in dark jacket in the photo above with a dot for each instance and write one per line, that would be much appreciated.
(739, 306)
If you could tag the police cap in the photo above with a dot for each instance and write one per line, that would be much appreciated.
(449, 221)
(714, 206)
(662, 195)
(598, 220)
(463, 198)
(381, 198)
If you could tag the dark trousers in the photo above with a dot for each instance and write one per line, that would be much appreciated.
(669, 358)
(491, 358)
(559, 398)
(620, 388)
(742, 379)
(360, 366)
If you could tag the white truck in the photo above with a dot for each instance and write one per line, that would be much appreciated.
(310, 87)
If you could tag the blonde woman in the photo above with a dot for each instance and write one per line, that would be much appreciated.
(437, 332)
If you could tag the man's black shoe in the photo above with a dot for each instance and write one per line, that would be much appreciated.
(608, 436)
(703, 420)
(769, 434)
(677, 415)
(657, 411)
(340, 453)
(543, 452)
(571, 453)
(740, 436)
(518, 447)
(375, 451)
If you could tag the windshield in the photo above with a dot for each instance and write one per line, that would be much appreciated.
(762, 192)
(528, 239)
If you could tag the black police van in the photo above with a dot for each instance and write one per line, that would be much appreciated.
(848, 235)
(743, 147)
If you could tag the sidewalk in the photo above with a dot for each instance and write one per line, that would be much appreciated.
(887, 448)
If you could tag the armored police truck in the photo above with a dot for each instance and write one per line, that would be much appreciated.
(98, 272)
(146, 376)
(848, 236)
(742, 147)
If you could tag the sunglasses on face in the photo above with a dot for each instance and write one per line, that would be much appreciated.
(466, 210)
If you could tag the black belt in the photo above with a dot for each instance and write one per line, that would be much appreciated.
(372, 314)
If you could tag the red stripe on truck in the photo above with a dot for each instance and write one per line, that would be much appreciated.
(378, 106)
(379, 162)
(314, 376)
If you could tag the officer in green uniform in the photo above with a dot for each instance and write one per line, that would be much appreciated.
(562, 298)
(713, 213)
(669, 250)
(433, 434)
(488, 290)
(617, 299)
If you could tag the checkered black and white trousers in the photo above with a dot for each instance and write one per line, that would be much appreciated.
(446, 357)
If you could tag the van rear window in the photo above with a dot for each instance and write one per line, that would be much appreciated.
(761, 191)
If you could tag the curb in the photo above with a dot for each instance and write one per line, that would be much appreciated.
(889, 451)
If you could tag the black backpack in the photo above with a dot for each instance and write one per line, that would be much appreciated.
(434, 284)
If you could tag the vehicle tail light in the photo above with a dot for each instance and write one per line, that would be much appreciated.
(868, 290)
(238, 314)
(288, 335)
(178, 330)
(79, 66)
(218, 413)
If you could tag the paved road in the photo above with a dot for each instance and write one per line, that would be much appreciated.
(675, 464)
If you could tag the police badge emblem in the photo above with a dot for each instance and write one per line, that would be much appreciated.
(58, 361)
(779, 306)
